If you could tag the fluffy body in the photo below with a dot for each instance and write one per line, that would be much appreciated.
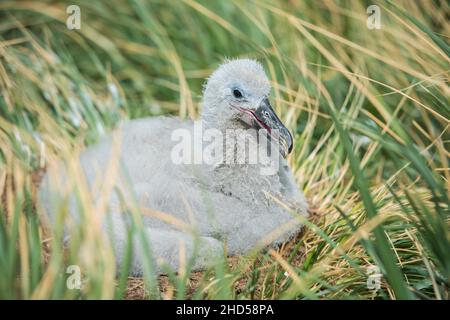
(228, 205)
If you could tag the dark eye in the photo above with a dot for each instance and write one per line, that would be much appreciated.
(237, 93)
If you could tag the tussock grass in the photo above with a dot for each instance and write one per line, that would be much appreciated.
(369, 110)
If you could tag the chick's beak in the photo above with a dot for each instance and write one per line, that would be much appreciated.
(267, 119)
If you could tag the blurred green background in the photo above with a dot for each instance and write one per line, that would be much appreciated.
(369, 109)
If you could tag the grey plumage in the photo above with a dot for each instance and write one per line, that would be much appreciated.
(226, 203)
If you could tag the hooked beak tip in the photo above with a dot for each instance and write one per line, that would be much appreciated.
(286, 143)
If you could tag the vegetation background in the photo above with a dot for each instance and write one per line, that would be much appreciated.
(369, 109)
